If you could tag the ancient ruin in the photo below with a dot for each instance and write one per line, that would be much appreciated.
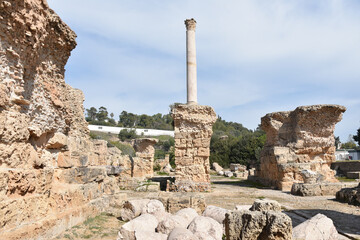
(53, 176)
(193, 129)
(302, 139)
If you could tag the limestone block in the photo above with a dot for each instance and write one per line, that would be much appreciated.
(208, 226)
(353, 175)
(113, 170)
(133, 208)
(188, 214)
(235, 167)
(241, 174)
(82, 175)
(14, 155)
(319, 189)
(143, 223)
(153, 206)
(349, 195)
(171, 222)
(216, 213)
(228, 173)
(265, 205)
(217, 167)
(242, 207)
(59, 140)
(145, 235)
(318, 227)
(182, 234)
(247, 224)
(177, 201)
(13, 127)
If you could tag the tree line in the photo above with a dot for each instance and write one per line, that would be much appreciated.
(126, 119)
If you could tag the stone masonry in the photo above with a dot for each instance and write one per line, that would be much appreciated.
(193, 130)
(299, 140)
(52, 175)
(143, 162)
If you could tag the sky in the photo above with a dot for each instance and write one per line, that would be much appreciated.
(253, 56)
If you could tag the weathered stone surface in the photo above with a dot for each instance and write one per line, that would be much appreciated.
(176, 201)
(182, 234)
(193, 130)
(242, 207)
(299, 140)
(318, 227)
(216, 213)
(171, 222)
(236, 167)
(52, 173)
(243, 175)
(349, 195)
(319, 189)
(153, 207)
(143, 223)
(143, 163)
(162, 163)
(188, 213)
(247, 224)
(265, 205)
(217, 167)
(228, 173)
(133, 208)
(142, 235)
(207, 226)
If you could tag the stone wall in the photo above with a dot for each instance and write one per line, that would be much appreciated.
(193, 130)
(143, 162)
(52, 175)
(298, 140)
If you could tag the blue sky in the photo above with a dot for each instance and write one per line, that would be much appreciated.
(254, 56)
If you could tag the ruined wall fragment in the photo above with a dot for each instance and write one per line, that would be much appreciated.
(193, 130)
(302, 139)
(52, 175)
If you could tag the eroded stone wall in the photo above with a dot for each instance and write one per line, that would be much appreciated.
(193, 130)
(52, 175)
(298, 140)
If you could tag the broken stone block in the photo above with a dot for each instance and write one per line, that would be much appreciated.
(216, 213)
(133, 208)
(182, 234)
(206, 226)
(216, 167)
(228, 173)
(265, 205)
(58, 141)
(236, 167)
(143, 223)
(248, 224)
(171, 222)
(349, 195)
(318, 227)
(188, 213)
(319, 189)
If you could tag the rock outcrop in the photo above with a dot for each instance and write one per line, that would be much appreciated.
(53, 175)
(193, 131)
(302, 139)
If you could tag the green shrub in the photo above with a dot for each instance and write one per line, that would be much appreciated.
(126, 149)
(126, 134)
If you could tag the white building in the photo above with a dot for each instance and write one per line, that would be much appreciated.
(139, 131)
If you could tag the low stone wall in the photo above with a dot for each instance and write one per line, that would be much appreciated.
(319, 189)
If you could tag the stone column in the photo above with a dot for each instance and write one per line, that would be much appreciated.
(191, 62)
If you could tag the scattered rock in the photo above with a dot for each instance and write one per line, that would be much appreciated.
(208, 226)
(217, 167)
(133, 208)
(318, 227)
(349, 195)
(220, 173)
(188, 213)
(265, 205)
(171, 222)
(182, 234)
(236, 167)
(142, 235)
(247, 224)
(228, 173)
(216, 213)
(143, 223)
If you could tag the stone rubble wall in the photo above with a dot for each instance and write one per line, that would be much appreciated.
(52, 175)
(193, 131)
(298, 140)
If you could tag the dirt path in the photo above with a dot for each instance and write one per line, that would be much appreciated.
(228, 193)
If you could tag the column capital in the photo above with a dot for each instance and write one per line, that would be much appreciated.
(190, 24)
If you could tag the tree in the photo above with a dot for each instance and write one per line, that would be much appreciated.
(91, 113)
(357, 137)
(102, 115)
(127, 134)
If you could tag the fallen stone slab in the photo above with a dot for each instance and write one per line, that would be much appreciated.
(143, 223)
(248, 224)
(216, 213)
(228, 173)
(349, 195)
(353, 175)
(141, 235)
(319, 189)
(171, 222)
(236, 167)
(188, 213)
(208, 226)
(265, 205)
(216, 167)
(133, 208)
(318, 227)
(182, 234)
